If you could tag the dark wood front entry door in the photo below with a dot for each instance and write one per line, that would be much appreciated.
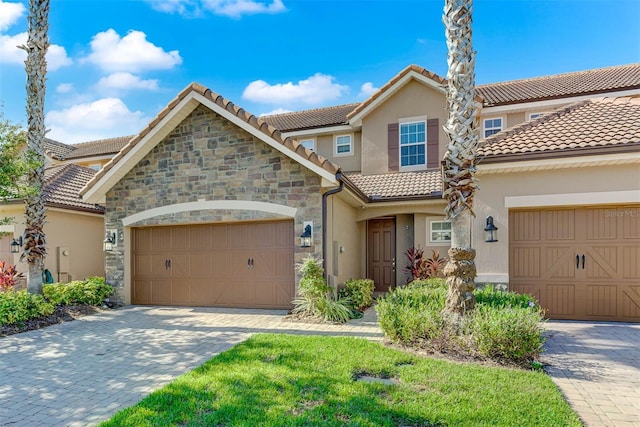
(381, 257)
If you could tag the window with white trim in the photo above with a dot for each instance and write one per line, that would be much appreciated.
(413, 144)
(439, 231)
(308, 143)
(344, 146)
(492, 126)
(535, 115)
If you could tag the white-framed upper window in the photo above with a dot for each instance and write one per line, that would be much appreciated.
(535, 115)
(309, 143)
(491, 126)
(344, 145)
(413, 144)
(439, 231)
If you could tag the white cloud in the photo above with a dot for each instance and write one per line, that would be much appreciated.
(10, 13)
(131, 53)
(104, 118)
(276, 111)
(64, 88)
(314, 90)
(10, 53)
(125, 81)
(230, 8)
(367, 89)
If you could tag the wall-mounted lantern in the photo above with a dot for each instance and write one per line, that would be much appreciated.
(16, 245)
(306, 236)
(490, 231)
(109, 241)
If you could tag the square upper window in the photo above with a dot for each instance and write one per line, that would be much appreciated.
(413, 144)
(492, 126)
(440, 231)
(344, 146)
(308, 143)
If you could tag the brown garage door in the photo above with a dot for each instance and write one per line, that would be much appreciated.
(581, 264)
(223, 265)
(5, 249)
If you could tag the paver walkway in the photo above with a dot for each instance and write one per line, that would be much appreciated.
(80, 373)
(596, 365)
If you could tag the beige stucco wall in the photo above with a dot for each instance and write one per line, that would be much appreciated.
(581, 184)
(325, 146)
(82, 233)
(412, 100)
(343, 230)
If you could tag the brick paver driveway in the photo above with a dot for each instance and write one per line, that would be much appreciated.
(596, 365)
(80, 373)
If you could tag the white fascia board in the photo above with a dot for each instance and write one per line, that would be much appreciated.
(97, 193)
(318, 131)
(265, 138)
(357, 119)
(552, 103)
(559, 163)
(77, 160)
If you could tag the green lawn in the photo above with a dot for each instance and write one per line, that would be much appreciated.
(284, 380)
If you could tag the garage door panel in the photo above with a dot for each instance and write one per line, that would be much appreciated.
(602, 300)
(215, 268)
(602, 287)
(532, 289)
(559, 299)
(631, 302)
(631, 262)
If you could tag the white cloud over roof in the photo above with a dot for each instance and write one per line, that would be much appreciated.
(367, 89)
(103, 118)
(125, 81)
(131, 53)
(316, 89)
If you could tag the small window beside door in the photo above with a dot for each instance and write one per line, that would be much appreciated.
(440, 231)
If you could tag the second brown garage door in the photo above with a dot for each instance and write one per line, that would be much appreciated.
(581, 264)
(220, 265)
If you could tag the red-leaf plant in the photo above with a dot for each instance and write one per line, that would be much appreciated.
(8, 276)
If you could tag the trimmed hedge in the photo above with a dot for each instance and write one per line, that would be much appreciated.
(503, 325)
(360, 292)
(91, 291)
(18, 307)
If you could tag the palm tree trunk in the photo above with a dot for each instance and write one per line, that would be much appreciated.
(460, 158)
(35, 212)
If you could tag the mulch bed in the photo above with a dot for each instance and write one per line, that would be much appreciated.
(61, 314)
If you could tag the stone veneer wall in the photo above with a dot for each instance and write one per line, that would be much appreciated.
(208, 157)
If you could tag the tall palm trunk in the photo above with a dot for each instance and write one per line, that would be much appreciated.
(460, 158)
(35, 212)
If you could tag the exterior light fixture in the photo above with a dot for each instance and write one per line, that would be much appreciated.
(490, 231)
(109, 241)
(305, 237)
(16, 245)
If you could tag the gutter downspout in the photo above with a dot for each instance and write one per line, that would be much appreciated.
(324, 222)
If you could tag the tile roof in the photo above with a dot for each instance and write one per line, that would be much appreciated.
(310, 119)
(63, 184)
(587, 82)
(99, 147)
(422, 184)
(230, 107)
(584, 125)
(56, 149)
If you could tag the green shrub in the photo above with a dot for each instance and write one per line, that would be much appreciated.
(20, 306)
(501, 299)
(412, 314)
(511, 333)
(503, 326)
(315, 297)
(91, 291)
(360, 292)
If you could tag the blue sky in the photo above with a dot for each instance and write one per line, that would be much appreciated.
(114, 64)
